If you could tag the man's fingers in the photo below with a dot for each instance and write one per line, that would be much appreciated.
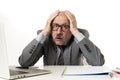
(71, 18)
(53, 15)
(69, 14)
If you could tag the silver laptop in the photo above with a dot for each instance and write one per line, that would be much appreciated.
(13, 72)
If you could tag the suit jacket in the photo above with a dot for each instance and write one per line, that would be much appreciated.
(73, 52)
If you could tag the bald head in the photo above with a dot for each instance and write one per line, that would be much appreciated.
(61, 18)
(61, 13)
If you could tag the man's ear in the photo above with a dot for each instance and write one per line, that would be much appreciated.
(39, 31)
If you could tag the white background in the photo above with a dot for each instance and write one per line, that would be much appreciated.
(22, 18)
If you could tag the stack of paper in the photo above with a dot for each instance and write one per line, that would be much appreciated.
(85, 71)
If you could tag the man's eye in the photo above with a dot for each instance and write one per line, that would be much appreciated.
(55, 25)
(65, 26)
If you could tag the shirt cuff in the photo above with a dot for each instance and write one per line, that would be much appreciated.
(41, 38)
(79, 37)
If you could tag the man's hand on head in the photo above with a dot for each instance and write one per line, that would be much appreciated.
(47, 29)
(73, 22)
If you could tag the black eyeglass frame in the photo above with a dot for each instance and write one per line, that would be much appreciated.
(55, 27)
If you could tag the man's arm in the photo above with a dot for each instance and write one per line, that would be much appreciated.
(89, 50)
(32, 52)
(92, 54)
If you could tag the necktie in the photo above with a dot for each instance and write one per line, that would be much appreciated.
(60, 58)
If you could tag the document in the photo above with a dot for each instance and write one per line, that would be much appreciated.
(85, 70)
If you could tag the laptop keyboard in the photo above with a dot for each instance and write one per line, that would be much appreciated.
(14, 72)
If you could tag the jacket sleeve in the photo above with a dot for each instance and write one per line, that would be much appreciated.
(92, 54)
(90, 51)
(31, 53)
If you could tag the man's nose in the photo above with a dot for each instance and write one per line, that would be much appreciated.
(59, 30)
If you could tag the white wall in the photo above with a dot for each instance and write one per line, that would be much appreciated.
(101, 18)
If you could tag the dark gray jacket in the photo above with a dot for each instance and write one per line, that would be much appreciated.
(72, 55)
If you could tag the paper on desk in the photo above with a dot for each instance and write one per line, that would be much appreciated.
(85, 70)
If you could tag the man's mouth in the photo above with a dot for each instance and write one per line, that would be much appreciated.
(59, 37)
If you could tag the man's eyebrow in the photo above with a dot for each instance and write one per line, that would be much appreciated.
(61, 24)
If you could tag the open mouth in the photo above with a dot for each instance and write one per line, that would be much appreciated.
(59, 37)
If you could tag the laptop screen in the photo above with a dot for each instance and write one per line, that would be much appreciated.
(4, 69)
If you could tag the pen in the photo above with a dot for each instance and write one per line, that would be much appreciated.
(116, 72)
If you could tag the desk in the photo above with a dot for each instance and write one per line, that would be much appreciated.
(56, 72)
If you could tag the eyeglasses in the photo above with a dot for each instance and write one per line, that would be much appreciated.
(64, 27)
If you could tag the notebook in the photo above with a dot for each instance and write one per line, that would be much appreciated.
(13, 72)
(86, 71)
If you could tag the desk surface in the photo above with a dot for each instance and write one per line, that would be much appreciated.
(56, 72)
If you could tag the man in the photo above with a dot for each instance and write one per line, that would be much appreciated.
(61, 43)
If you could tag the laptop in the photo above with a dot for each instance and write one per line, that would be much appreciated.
(12, 72)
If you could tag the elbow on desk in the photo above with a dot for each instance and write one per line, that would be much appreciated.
(97, 62)
(22, 63)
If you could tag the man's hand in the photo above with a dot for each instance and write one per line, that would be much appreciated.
(73, 22)
(47, 29)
